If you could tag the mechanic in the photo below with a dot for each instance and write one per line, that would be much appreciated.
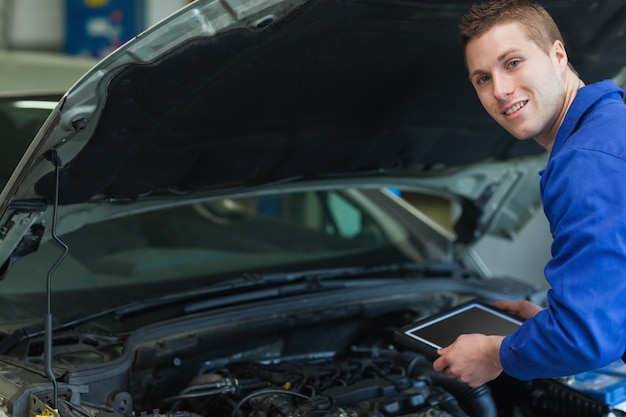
(519, 67)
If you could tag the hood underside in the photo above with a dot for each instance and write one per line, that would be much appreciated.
(334, 89)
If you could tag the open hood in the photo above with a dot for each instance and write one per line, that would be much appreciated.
(222, 97)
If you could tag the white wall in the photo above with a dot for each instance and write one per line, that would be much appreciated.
(524, 257)
(39, 25)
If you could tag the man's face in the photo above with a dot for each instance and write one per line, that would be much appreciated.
(518, 84)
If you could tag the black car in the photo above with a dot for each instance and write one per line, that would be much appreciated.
(226, 217)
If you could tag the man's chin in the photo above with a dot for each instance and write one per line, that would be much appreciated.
(517, 129)
(520, 136)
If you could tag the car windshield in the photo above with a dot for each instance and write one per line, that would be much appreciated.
(215, 242)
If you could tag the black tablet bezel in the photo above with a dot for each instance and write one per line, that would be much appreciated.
(406, 335)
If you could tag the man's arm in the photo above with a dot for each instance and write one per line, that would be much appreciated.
(583, 326)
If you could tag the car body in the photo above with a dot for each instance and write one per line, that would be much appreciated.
(208, 221)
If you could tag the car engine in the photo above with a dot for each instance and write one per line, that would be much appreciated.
(313, 362)
(363, 382)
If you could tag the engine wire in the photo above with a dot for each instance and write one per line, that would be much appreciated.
(263, 392)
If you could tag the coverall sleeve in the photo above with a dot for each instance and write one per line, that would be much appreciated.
(584, 327)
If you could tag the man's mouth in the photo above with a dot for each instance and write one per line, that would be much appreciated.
(515, 107)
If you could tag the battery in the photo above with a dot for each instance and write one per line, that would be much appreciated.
(606, 384)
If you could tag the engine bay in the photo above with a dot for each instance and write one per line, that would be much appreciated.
(326, 368)
(361, 382)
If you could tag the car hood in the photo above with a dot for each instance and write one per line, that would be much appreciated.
(231, 97)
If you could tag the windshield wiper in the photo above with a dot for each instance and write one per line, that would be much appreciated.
(404, 268)
(251, 287)
(256, 286)
(325, 279)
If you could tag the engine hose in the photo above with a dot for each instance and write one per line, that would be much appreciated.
(477, 402)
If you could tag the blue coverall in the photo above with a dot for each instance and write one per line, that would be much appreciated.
(583, 189)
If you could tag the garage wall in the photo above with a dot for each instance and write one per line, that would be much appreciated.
(39, 25)
(523, 257)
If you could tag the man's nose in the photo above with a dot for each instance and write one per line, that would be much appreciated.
(502, 87)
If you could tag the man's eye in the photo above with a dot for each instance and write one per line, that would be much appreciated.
(514, 63)
(482, 79)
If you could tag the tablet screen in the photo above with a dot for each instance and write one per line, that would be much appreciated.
(443, 330)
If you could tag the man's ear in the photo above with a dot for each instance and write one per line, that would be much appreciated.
(559, 55)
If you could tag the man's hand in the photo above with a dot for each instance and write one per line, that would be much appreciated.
(473, 359)
(523, 309)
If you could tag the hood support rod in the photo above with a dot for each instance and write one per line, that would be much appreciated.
(53, 157)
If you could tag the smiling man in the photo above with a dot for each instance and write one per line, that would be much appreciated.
(519, 67)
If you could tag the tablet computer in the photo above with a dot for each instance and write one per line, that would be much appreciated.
(441, 330)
